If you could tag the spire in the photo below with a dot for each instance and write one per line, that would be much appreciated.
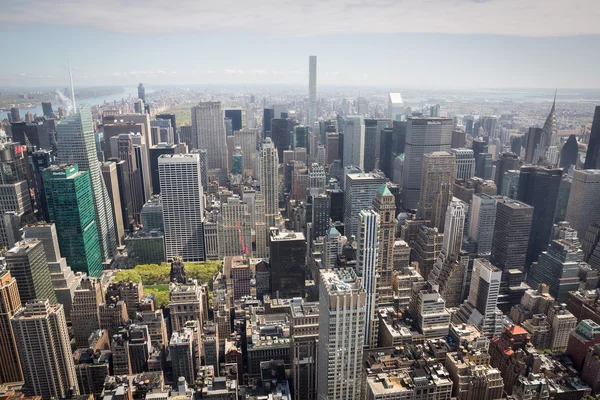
(72, 87)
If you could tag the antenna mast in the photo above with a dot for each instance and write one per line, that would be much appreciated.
(72, 87)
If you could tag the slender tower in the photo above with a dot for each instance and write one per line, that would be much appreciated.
(78, 146)
(269, 181)
(312, 90)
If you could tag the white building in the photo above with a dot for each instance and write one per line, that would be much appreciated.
(354, 141)
(268, 165)
(482, 219)
(584, 200)
(465, 163)
(208, 133)
(183, 205)
(367, 263)
(395, 106)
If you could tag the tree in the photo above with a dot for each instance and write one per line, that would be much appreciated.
(128, 275)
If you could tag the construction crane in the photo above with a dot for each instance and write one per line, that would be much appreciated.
(242, 243)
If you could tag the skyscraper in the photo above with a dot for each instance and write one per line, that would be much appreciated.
(423, 135)
(359, 192)
(234, 228)
(208, 127)
(592, 157)
(321, 214)
(506, 162)
(534, 138)
(268, 165)
(354, 141)
(84, 313)
(42, 337)
(549, 131)
(482, 221)
(384, 204)
(312, 90)
(10, 304)
(368, 250)
(569, 154)
(141, 92)
(77, 146)
(183, 205)
(247, 140)
(511, 234)
(465, 163)
(71, 208)
(583, 208)
(538, 187)
(27, 263)
(437, 180)
(288, 265)
(341, 310)
(111, 181)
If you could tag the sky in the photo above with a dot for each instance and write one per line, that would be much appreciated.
(393, 43)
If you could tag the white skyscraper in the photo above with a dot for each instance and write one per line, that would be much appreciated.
(454, 226)
(465, 163)
(78, 146)
(312, 90)
(354, 141)
(332, 246)
(208, 133)
(341, 335)
(395, 106)
(481, 222)
(366, 267)
(359, 191)
(183, 205)
(268, 165)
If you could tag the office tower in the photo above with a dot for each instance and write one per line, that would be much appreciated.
(563, 323)
(584, 201)
(10, 304)
(185, 303)
(40, 160)
(237, 166)
(76, 136)
(569, 154)
(332, 247)
(14, 114)
(482, 221)
(427, 247)
(312, 90)
(234, 228)
(480, 308)
(510, 184)
(372, 136)
(183, 205)
(111, 181)
(321, 214)
(359, 191)
(42, 338)
(300, 137)
(281, 134)
(288, 266)
(268, 115)
(31, 134)
(186, 135)
(247, 140)
(170, 117)
(165, 132)
(483, 166)
(465, 163)
(489, 124)
(268, 164)
(236, 118)
(428, 309)
(437, 181)
(423, 135)
(155, 152)
(538, 187)
(367, 266)
(395, 109)
(47, 110)
(384, 204)
(116, 128)
(71, 208)
(332, 145)
(511, 234)
(84, 312)
(27, 263)
(592, 157)
(141, 92)
(130, 180)
(459, 139)
(506, 162)
(354, 141)
(304, 352)
(341, 310)
(479, 146)
(558, 268)
(534, 138)
(208, 129)
(260, 227)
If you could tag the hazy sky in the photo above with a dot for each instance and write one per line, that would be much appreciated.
(396, 43)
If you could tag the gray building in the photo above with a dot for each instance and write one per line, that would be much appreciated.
(511, 234)
(359, 191)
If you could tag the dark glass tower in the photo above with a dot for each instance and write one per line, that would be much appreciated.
(506, 162)
(568, 155)
(268, 115)
(288, 267)
(592, 158)
(236, 118)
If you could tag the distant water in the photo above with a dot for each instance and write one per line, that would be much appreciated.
(128, 93)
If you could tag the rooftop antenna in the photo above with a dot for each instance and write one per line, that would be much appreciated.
(71, 82)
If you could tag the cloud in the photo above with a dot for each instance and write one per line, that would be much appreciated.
(143, 73)
(537, 18)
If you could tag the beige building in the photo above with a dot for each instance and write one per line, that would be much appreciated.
(10, 304)
(437, 180)
(84, 312)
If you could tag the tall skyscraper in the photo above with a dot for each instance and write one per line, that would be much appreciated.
(332, 247)
(268, 115)
(583, 208)
(77, 146)
(183, 205)
(569, 154)
(359, 192)
(395, 106)
(208, 127)
(506, 162)
(10, 304)
(538, 187)
(354, 141)
(111, 181)
(141, 92)
(71, 208)
(341, 310)
(84, 313)
(423, 135)
(480, 308)
(511, 234)
(321, 214)
(288, 265)
(234, 228)
(27, 263)
(482, 221)
(367, 263)
(42, 337)
(312, 90)
(247, 140)
(268, 165)
(465, 163)
(592, 157)
(384, 204)
(547, 139)
(437, 180)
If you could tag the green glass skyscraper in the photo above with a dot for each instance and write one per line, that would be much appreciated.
(71, 207)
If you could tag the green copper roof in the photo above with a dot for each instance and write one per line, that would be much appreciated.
(332, 231)
(384, 191)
